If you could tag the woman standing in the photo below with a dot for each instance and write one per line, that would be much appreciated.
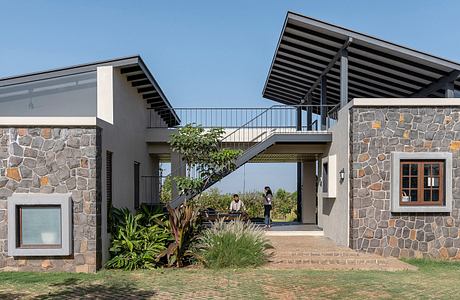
(268, 197)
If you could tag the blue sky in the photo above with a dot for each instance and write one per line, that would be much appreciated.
(206, 53)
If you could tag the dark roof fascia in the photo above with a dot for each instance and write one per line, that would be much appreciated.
(72, 70)
(157, 87)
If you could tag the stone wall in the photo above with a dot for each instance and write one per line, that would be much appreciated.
(375, 133)
(53, 160)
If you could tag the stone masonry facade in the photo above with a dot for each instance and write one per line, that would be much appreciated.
(54, 160)
(376, 132)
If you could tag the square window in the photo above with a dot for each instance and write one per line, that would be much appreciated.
(421, 182)
(39, 224)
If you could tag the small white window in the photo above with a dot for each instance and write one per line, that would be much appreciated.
(329, 176)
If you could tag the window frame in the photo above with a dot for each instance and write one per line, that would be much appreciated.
(17, 200)
(137, 184)
(420, 182)
(396, 182)
(19, 221)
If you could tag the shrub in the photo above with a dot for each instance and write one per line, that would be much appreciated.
(136, 245)
(233, 244)
(183, 224)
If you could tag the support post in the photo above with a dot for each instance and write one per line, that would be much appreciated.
(299, 119)
(299, 170)
(309, 113)
(450, 90)
(323, 102)
(177, 169)
(344, 78)
(299, 191)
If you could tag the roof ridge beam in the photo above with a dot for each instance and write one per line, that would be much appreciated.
(441, 83)
(331, 64)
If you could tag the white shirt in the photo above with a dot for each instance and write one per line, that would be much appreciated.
(237, 206)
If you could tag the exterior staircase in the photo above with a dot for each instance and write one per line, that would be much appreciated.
(261, 132)
(321, 253)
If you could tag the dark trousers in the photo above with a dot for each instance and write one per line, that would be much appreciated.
(267, 209)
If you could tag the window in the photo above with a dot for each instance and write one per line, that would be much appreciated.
(136, 184)
(109, 179)
(39, 224)
(329, 176)
(325, 177)
(421, 182)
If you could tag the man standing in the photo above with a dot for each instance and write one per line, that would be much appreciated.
(237, 205)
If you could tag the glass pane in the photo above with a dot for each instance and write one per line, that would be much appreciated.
(405, 182)
(435, 195)
(413, 169)
(413, 195)
(427, 195)
(426, 182)
(405, 169)
(435, 182)
(435, 169)
(413, 182)
(66, 96)
(427, 169)
(40, 225)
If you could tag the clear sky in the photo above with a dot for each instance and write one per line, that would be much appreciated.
(206, 53)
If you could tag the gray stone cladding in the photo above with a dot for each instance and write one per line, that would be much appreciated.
(53, 160)
(375, 134)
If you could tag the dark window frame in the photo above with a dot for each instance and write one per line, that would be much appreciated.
(420, 177)
(137, 179)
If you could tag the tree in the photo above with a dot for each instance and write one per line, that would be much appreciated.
(205, 158)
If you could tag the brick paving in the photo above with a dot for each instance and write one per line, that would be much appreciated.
(321, 253)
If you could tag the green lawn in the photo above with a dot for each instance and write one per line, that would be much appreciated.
(433, 280)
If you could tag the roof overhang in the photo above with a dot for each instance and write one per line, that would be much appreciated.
(133, 67)
(376, 68)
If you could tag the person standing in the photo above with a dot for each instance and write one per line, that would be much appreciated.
(268, 198)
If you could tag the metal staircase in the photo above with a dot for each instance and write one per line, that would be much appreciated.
(277, 124)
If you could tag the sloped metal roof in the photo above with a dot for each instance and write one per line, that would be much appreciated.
(376, 68)
(133, 67)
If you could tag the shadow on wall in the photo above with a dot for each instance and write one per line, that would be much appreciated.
(328, 204)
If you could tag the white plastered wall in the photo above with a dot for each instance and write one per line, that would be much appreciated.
(333, 212)
(123, 118)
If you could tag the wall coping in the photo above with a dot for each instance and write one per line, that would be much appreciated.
(402, 102)
(48, 121)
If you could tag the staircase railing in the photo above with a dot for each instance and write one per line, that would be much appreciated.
(277, 119)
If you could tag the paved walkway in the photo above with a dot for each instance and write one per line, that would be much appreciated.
(318, 252)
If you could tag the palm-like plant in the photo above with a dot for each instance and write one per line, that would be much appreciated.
(135, 246)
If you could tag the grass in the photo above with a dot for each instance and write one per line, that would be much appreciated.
(434, 279)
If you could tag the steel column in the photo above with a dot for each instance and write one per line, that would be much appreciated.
(299, 119)
(323, 102)
(344, 78)
(450, 90)
(299, 191)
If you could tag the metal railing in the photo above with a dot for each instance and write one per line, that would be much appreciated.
(262, 124)
(278, 115)
(152, 188)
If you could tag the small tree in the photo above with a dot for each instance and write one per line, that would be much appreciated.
(204, 157)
